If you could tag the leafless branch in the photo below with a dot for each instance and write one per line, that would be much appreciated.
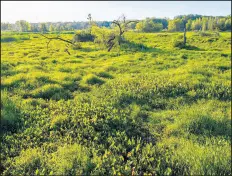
(58, 38)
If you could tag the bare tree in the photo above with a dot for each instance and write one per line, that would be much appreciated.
(90, 21)
(122, 24)
(72, 42)
(89, 17)
(110, 42)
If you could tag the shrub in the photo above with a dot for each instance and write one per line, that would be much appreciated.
(205, 34)
(83, 36)
(184, 56)
(208, 34)
(149, 26)
(178, 44)
(212, 39)
(13, 38)
(134, 46)
(8, 39)
(68, 32)
(24, 38)
(180, 37)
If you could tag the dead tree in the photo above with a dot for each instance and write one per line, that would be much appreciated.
(110, 42)
(122, 24)
(90, 22)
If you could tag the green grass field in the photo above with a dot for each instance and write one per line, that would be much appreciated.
(149, 108)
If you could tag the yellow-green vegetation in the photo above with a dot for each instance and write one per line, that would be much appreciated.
(151, 107)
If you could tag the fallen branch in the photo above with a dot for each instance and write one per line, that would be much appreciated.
(58, 38)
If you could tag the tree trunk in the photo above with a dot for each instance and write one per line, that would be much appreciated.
(110, 47)
(185, 39)
(120, 38)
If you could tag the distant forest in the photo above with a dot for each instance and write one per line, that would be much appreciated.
(194, 23)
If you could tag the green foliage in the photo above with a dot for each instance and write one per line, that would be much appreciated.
(175, 25)
(29, 162)
(194, 22)
(92, 79)
(190, 158)
(147, 109)
(206, 119)
(105, 75)
(208, 34)
(69, 160)
(23, 26)
(102, 34)
(83, 36)
(51, 91)
(149, 25)
(14, 38)
(43, 27)
(10, 120)
(8, 39)
(178, 44)
(205, 34)
(200, 23)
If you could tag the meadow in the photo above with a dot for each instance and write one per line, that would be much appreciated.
(148, 108)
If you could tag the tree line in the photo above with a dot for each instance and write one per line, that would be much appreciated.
(193, 23)
(24, 26)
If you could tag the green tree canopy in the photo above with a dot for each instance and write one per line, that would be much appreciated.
(149, 26)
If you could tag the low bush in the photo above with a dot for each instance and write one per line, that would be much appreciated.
(83, 36)
(8, 39)
(178, 44)
(14, 38)
(208, 34)
(205, 34)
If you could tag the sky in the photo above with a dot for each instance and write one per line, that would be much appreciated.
(61, 11)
